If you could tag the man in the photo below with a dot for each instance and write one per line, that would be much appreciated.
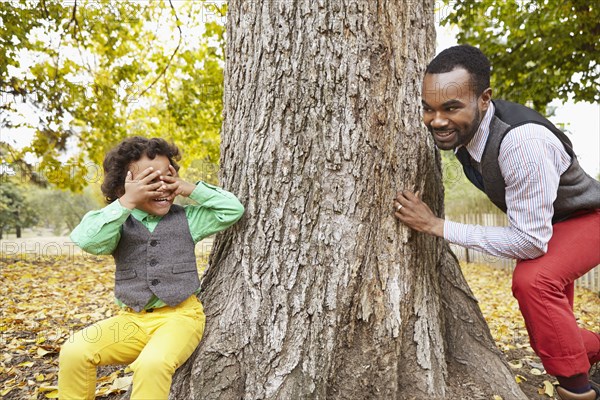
(527, 167)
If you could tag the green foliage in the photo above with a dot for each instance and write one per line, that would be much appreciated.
(539, 50)
(16, 209)
(99, 71)
(461, 196)
(61, 210)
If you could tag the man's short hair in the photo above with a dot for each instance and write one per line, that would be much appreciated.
(463, 56)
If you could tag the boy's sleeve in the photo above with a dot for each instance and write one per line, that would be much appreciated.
(99, 231)
(217, 209)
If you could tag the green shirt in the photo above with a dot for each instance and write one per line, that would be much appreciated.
(99, 231)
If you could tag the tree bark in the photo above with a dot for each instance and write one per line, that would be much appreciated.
(318, 292)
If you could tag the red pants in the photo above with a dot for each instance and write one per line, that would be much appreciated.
(544, 288)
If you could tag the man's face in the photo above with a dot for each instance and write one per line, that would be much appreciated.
(451, 110)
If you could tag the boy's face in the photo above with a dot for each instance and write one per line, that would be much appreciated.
(158, 206)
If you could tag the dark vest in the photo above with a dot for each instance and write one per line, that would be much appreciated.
(577, 190)
(161, 263)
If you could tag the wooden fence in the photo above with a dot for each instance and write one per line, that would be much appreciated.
(590, 281)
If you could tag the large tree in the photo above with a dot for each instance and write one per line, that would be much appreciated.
(318, 292)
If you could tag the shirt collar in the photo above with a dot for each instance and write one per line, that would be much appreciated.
(143, 215)
(476, 146)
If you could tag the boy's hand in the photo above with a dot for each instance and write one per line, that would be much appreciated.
(176, 185)
(146, 185)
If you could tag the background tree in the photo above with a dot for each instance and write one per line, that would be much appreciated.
(539, 50)
(318, 292)
(61, 210)
(94, 72)
(16, 211)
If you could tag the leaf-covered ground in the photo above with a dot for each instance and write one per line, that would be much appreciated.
(46, 298)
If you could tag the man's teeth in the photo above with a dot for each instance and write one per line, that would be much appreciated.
(163, 199)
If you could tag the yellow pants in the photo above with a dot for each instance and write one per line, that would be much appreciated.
(154, 343)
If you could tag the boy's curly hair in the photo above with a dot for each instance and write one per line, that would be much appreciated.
(117, 161)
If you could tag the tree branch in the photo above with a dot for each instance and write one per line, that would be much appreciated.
(162, 73)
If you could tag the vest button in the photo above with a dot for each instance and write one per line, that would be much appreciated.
(153, 243)
(154, 282)
(153, 262)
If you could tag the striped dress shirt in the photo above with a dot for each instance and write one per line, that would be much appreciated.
(531, 160)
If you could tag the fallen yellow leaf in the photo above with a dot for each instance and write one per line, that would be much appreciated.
(548, 389)
(516, 364)
(42, 352)
(43, 388)
(121, 384)
(26, 364)
(520, 378)
(52, 395)
(535, 371)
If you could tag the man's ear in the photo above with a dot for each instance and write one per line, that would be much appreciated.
(486, 98)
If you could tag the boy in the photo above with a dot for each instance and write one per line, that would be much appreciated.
(152, 241)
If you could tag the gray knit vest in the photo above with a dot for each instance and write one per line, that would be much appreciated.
(160, 263)
(577, 190)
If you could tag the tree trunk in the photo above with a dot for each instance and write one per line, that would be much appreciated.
(318, 292)
(18, 232)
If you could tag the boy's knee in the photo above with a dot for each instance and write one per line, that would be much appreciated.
(75, 350)
(154, 363)
(70, 353)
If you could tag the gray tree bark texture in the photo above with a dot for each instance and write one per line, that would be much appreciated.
(318, 292)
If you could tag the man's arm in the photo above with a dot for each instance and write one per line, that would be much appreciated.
(531, 160)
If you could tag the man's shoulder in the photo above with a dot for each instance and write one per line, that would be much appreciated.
(530, 131)
(515, 113)
(525, 123)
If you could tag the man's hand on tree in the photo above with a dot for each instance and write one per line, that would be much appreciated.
(414, 213)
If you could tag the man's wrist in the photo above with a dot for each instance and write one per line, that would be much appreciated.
(437, 227)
